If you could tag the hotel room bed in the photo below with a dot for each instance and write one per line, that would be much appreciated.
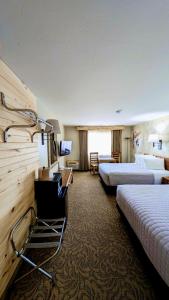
(146, 208)
(129, 173)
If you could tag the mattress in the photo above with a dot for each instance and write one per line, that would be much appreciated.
(146, 208)
(129, 173)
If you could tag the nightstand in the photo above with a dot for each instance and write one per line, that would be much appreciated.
(165, 180)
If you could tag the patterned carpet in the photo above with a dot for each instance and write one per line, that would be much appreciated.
(100, 258)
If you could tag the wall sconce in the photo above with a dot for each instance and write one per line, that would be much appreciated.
(153, 138)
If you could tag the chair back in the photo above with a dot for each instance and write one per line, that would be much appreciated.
(116, 156)
(94, 158)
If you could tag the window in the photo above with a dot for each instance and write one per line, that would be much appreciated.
(99, 141)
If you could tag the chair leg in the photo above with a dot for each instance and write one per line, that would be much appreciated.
(91, 169)
(95, 170)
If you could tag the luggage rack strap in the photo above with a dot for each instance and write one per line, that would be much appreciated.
(42, 245)
(51, 220)
(44, 227)
(45, 234)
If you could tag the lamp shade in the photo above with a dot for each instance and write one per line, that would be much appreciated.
(153, 138)
(55, 124)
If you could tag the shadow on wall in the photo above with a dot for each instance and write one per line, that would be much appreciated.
(152, 137)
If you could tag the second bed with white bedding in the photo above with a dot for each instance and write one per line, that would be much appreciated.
(129, 173)
(146, 208)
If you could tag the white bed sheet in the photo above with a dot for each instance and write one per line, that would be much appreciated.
(146, 208)
(129, 173)
(158, 174)
(106, 169)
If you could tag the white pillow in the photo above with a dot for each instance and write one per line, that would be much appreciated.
(154, 164)
(139, 159)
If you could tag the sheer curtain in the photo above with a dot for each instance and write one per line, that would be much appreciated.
(99, 141)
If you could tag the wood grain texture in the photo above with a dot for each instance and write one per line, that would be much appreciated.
(19, 163)
(166, 161)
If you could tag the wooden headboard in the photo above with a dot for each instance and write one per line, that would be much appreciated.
(166, 161)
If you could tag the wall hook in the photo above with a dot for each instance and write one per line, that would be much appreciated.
(26, 111)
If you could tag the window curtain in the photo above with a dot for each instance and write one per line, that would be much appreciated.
(116, 139)
(83, 143)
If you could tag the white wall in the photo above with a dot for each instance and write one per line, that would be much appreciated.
(71, 134)
(45, 113)
(160, 127)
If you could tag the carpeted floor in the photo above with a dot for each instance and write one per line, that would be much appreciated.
(100, 258)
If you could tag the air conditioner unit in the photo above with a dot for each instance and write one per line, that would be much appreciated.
(74, 164)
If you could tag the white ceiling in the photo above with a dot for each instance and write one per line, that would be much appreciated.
(87, 58)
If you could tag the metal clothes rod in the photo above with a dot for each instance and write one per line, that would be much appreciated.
(26, 110)
(29, 113)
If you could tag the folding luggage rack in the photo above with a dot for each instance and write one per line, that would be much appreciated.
(42, 233)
